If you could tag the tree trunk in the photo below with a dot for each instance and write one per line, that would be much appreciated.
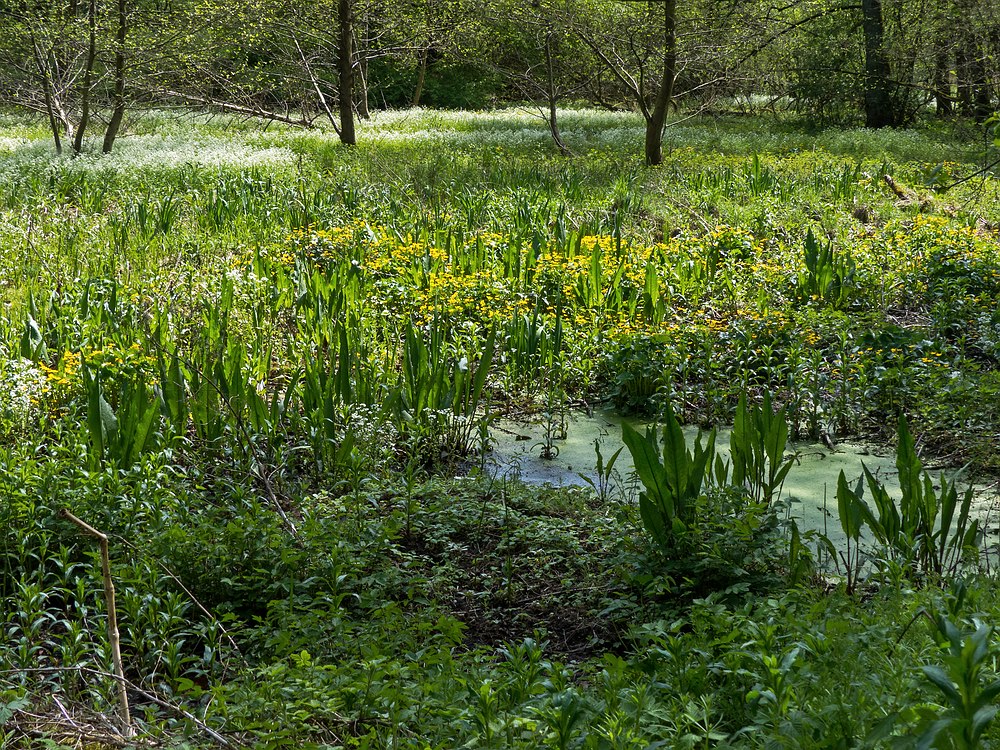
(942, 86)
(552, 96)
(418, 90)
(43, 75)
(118, 113)
(658, 115)
(88, 76)
(879, 111)
(346, 69)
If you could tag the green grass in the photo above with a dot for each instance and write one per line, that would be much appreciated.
(268, 367)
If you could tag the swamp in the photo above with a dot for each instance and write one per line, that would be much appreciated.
(450, 440)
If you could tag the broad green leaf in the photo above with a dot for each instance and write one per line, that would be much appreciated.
(988, 694)
(928, 739)
(653, 519)
(482, 370)
(676, 459)
(882, 730)
(981, 719)
(908, 464)
(646, 459)
(610, 465)
(847, 508)
(32, 343)
(941, 679)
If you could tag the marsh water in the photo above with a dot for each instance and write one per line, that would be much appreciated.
(809, 490)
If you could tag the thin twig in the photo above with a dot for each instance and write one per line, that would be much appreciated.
(185, 714)
(247, 445)
(173, 576)
(975, 174)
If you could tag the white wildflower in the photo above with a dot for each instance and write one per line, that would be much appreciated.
(24, 386)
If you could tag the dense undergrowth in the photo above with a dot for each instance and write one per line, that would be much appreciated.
(267, 367)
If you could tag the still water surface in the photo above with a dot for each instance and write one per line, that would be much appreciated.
(810, 488)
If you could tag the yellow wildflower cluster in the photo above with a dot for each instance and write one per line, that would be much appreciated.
(66, 372)
(320, 246)
(642, 289)
(475, 297)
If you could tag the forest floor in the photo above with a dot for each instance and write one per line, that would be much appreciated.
(271, 369)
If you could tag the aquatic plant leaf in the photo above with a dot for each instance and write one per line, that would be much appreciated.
(646, 459)
(850, 508)
(676, 459)
(909, 467)
(700, 464)
(888, 528)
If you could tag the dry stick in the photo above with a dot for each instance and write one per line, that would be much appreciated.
(316, 87)
(239, 109)
(895, 188)
(152, 698)
(109, 596)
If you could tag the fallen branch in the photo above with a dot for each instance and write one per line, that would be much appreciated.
(975, 174)
(240, 109)
(895, 188)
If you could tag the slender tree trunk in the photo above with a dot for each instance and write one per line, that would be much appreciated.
(553, 96)
(364, 107)
(43, 75)
(346, 70)
(118, 113)
(942, 86)
(418, 90)
(878, 100)
(963, 73)
(62, 116)
(658, 114)
(88, 76)
(362, 56)
(981, 98)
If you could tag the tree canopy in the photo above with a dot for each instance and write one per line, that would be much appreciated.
(880, 62)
